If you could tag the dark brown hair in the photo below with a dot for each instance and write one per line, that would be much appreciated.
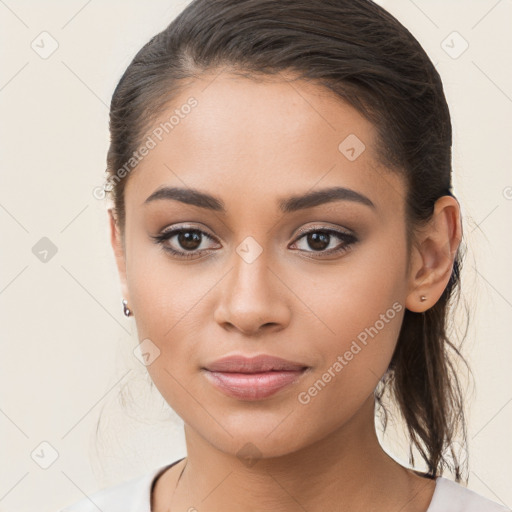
(367, 58)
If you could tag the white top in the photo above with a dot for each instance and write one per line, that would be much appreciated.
(135, 496)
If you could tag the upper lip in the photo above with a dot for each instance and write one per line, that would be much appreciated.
(259, 363)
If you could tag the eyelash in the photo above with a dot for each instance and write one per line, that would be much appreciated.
(160, 239)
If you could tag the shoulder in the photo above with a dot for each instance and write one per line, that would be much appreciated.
(130, 496)
(450, 496)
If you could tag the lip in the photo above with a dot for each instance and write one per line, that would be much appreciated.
(260, 363)
(253, 378)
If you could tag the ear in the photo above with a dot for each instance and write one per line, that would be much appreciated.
(433, 254)
(119, 253)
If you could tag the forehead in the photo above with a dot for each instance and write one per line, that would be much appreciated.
(261, 138)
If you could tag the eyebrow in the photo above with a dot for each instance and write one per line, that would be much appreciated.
(288, 205)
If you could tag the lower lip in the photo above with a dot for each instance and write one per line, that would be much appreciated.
(252, 386)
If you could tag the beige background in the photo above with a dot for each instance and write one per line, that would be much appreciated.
(66, 348)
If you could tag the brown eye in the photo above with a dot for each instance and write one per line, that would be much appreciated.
(189, 240)
(320, 239)
(183, 242)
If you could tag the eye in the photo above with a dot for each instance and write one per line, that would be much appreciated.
(320, 239)
(187, 243)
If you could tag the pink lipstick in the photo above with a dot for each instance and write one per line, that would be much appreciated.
(253, 378)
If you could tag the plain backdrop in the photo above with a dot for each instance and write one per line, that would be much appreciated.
(67, 363)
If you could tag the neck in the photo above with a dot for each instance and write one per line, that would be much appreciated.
(346, 470)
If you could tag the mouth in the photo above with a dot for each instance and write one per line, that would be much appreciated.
(253, 378)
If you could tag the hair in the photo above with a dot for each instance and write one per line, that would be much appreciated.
(367, 58)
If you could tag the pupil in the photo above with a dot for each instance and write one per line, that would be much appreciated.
(189, 239)
(318, 241)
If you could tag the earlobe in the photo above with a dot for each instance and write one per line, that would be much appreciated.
(434, 255)
(119, 253)
(416, 300)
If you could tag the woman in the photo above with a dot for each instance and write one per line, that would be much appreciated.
(289, 245)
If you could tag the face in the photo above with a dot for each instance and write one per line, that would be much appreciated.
(320, 282)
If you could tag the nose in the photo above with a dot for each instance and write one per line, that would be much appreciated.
(254, 298)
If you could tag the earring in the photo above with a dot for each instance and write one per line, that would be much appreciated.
(423, 298)
(126, 311)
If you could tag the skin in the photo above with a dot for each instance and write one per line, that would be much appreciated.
(251, 144)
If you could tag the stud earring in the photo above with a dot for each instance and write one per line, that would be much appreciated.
(126, 311)
(423, 298)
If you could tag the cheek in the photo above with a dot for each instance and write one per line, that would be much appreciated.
(359, 310)
(160, 294)
(351, 296)
(167, 301)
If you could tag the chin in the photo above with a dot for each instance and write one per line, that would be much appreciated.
(253, 437)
